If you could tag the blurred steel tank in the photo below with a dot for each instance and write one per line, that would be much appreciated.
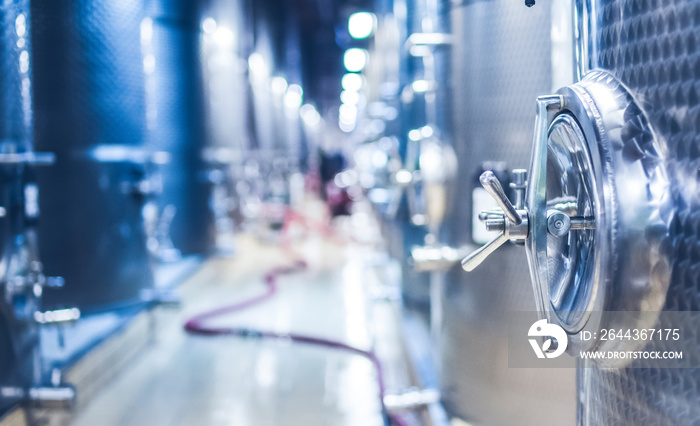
(501, 60)
(652, 48)
(90, 111)
(180, 217)
(413, 115)
(277, 148)
(226, 40)
(18, 332)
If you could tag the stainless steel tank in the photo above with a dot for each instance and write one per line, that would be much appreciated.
(225, 43)
(652, 48)
(502, 57)
(274, 71)
(414, 115)
(615, 154)
(176, 122)
(89, 99)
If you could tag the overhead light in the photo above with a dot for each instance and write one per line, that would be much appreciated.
(346, 127)
(415, 135)
(294, 96)
(348, 113)
(403, 176)
(310, 115)
(349, 97)
(355, 59)
(278, 85)
(352, 82)
(146, 31)
(209, 25)
(257, 66)
(361, 25)
(420, 86)
(21, 25)
(224, 37)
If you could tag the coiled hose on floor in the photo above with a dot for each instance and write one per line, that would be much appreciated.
(195, 325)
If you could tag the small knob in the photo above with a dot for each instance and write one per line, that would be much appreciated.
(558, 223)
(519, 177)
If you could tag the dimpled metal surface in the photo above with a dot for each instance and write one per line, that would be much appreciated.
(652, 46)
(15, 71)
(494, 102)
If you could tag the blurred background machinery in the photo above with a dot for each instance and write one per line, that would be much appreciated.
(158, 157)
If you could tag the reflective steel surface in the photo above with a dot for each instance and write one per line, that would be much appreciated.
(652, 48)
(493, 120)
(569, 190)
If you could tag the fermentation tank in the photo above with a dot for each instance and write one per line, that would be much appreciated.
(652, 48)
(413, 116)
(89, 100)
(225, 43)
(609, 220)
(502, 56)
(171, 39)
(274, 71)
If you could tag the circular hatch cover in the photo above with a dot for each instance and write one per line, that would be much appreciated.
(605, 164)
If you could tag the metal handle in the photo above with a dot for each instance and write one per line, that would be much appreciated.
(536, 201)
(491, 184)
(512, 222)
(475, 259)
(437, 258)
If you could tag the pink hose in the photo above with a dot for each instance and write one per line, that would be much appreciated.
(195, 326)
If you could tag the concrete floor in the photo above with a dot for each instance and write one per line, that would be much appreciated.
(192, 380)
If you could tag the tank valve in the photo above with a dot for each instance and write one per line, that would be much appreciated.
(512, 220)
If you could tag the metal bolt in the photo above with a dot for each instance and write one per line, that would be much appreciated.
(496, 224)
(519, 184)
(558, 223)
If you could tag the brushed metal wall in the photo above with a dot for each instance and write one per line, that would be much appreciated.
(501, 62)
(653, 47)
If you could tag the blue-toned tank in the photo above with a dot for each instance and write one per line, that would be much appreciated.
(176, 121)
(90, 111)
